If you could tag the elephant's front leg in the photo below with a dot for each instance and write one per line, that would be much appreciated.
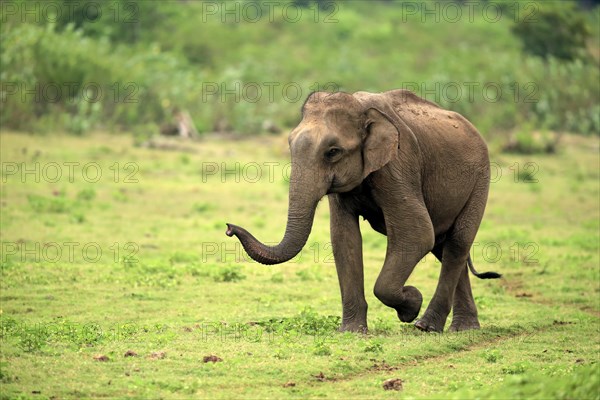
(347, 251)
(410, 237)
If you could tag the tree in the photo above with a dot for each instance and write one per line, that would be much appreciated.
(553, 32)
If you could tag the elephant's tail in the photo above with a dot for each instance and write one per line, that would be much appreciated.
(483, 275)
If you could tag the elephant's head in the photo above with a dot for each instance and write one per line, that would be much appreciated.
(339, 142)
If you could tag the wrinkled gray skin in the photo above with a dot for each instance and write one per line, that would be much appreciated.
(418, 173)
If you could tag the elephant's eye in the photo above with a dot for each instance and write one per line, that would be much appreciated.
(332, 153)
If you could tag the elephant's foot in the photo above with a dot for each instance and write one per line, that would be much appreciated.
(406, 301)
(464, 323)
(354, 316)
(431, 322)
(409, 309)
(353, 327)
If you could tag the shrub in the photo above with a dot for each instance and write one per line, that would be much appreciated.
(321, 349)
(373, 346)
(526, 142)
(307, 322)
(58, 204)
(516, 368)
(492, 356)
(229, 274)
(558, 32)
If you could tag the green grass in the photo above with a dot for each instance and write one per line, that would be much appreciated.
(138, 260)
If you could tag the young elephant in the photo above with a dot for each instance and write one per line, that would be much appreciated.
(418, 173)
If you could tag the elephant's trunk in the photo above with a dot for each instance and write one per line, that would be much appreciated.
(299, 224)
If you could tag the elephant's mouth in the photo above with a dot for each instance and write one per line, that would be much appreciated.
(339, 187)
(333, 186)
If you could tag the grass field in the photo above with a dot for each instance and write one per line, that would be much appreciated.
(117, 280)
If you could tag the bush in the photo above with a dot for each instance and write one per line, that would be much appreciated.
(229, 274)
(559, 32)
(78, 83)
(527, 142)
(307, 322)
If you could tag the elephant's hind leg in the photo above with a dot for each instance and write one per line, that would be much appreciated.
(464, 310)
(453, 286)
(434, 319)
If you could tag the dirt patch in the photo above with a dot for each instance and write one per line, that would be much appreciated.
(393, 384)
(130, 353)
(557, 322)
(523, 294)
(158, 355)
(515, 287)
(101, 357)
(211, 358)
(322, 378)
(382, 366)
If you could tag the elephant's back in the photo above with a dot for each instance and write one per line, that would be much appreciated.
(434, 126)
(453, 157)
(454, 160)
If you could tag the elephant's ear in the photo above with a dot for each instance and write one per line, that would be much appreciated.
(381, 141)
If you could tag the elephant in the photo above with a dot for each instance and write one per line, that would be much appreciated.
(418, 173)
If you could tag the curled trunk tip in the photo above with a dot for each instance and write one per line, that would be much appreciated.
(301, 213)
(296, 235)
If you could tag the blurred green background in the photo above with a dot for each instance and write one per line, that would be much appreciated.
(513, 68)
